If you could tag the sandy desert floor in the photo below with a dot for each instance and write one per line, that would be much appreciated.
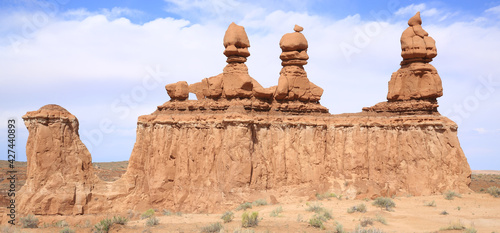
(473, 211)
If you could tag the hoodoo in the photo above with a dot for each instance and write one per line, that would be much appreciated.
(240, 141)
(59, 174)
(416, 85)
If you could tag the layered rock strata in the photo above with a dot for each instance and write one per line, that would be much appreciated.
(239, 143)
(414, 88)
(60, 176)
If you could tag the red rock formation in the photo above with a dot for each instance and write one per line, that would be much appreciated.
(416, 85)
(293, 83)
(235, 144)
(59, 174)
(178, 90)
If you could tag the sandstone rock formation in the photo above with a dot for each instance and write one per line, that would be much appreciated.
(59, 174)
(416, 85)
(238, 143)
(178, 90)
(234, 82)
(293, 83)
(234, 86)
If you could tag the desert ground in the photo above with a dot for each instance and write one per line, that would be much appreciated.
(477, 211)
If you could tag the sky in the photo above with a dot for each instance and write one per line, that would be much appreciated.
(107, 62)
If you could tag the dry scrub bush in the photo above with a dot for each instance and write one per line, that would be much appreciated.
(212, 228)
(384, 202)
(29, 221)
(250, 220)
(227, 217)
(494, 191)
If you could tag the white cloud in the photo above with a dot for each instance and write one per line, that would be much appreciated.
(430, 12)
(494, 10)
(411, 9)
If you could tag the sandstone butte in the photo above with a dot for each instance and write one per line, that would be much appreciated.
(240, 142)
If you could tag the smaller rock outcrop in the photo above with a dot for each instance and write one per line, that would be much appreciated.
(235, 87)
(178, 90)
(416, 85)
(293, 83)
(60, 176)
(234, 82)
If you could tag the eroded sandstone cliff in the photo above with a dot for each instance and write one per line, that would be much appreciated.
(240, 141)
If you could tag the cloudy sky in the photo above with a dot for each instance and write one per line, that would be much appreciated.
(107, 62)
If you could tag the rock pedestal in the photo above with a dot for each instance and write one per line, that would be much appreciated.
(414, 88)
(293, 83)
(60, 176)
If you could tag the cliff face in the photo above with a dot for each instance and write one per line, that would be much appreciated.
(59, 174)
(205, 160)
(240, 141)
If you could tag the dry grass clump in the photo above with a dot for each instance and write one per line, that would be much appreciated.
(250, 220)
(227, 217)
(494, 191)
(450, 195)
(358, 208)
(29, 221)
(212, 228)
(384, 202)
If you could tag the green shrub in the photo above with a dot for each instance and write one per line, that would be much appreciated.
(212, 228)
(178, 213)
(244, 206)
(67, 230)
(148, 214)
(327, 195)
(259, 202)
(384, 202)
(359, 208)
(103, 226)
(470, 230)
(167, 212)
(443, 212)
(380, 219)
(363, 230)
(250, 220)
(493, 191)
(366, 221)
(29, 221)
(450, 195)
(61, 223)
(120, 220)
(317, 221)
(276, 212)
(152, 221)
(430, 204)
(453, 226)
(227, 217)
(316, 208)
(339, 228)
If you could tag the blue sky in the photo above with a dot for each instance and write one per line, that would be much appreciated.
(108, 61)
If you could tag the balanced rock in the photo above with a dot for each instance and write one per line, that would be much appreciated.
(416, 85)
(234, 82)
(60, 176)
(178, 90)
(293, 83)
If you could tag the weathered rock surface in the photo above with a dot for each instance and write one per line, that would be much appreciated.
(60, 176)
(240, 141)
(178, 90)
(415, 87)
(211, 161)
(293, 84)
